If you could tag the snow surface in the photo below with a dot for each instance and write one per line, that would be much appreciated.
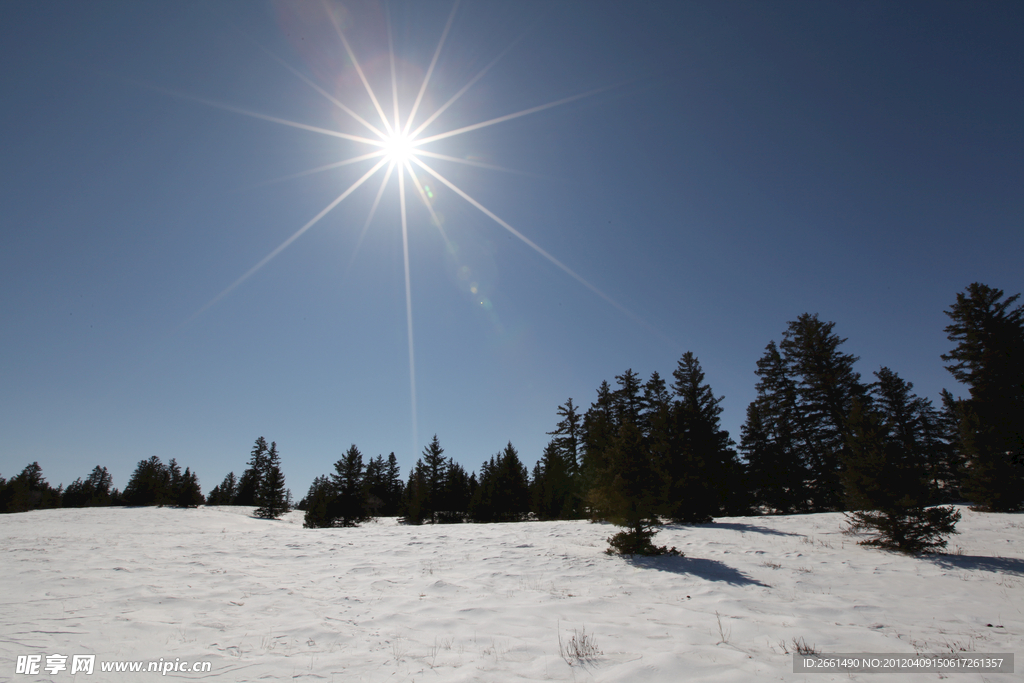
(269, 600)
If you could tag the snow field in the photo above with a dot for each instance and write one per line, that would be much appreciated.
(269, 600)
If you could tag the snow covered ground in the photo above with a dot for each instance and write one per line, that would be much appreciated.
(269, 600)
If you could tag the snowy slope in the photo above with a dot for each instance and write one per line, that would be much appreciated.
(269, 600)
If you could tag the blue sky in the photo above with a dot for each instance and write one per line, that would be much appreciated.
(739, 164)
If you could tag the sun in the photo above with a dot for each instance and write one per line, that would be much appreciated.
(396, 146)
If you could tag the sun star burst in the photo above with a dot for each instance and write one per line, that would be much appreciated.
(399, 148)
(396, 149)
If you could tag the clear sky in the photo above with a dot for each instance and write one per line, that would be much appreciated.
(727, 167)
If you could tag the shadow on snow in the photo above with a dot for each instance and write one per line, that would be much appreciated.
(1001, 565)
(710, 570)
(734, 526)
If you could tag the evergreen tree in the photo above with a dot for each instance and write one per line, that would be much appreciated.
(884, 477)
(30, 491)
(189, 492)
(271, 496)
(629, 494)
(252, 478)
(375, 485)
(951, 469)
(225, 492)
(349, 506)
(503, 493)
(98, 486)
(563, 495)
(75, 495)
(627, 400)
(93, 491)
(989, 359)
(703, 472)
(174, 482)
(552, 493)
(149, 484)
(435, 471)
(567, 436)
(456, 494)
(415, 495)
(826, 387)
(317, 503)
(599, 429)
(776, 441)
(395, 487)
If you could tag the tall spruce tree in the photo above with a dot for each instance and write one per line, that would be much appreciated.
(503, 493)
(989, 358)
(252, 478)
(395, 487)
(704, 474)
(271, 496)
(600, 427)
(456, 495)
(826, 386)
(375, 485)
(349, 507)
(774, 441)
(552, 485)
(557, 491)
(435, 471)
(414, 497)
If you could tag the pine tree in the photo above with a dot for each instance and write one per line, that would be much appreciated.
(98, 486)
(149, 484)
(456, 495)
(703, 470)
(563, 497)
(599, 429)
(317, 503)
(252, 478)
(415, 495)
(630, 494)
(826, 387)
(189, 492)
(435, 472)
(375, 485)
(989, 359)
(225, 492)
(271, 496)
(395, 487)
(174, 482)
(885, 478)
(775, 440)
(503, 493)
(349, 505)
(627, 400)
(552, 486)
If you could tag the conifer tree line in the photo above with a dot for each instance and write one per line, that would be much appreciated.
(817, 437)
(438, 490)
(261, 484)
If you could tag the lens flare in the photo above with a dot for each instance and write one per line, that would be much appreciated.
(397, 148)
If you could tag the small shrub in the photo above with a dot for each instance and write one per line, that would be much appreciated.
(632, 543)
(580, 648)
